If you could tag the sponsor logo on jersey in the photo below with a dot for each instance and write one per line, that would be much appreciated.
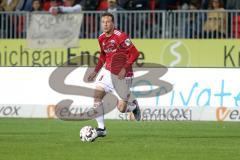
(112, 41)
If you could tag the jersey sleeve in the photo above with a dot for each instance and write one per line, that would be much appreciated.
(126, 44)
(101, 59)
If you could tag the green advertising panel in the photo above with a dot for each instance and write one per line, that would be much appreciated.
(171, 53)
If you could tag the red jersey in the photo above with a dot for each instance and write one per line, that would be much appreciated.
(117, 51)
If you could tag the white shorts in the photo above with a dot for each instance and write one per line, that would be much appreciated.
(111, 83)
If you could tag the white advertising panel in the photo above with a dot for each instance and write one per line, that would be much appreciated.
(205, 94)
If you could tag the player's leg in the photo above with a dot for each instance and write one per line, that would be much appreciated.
(122, 88)
(99, 93)
(125, 106)
(98, 97)
(103, 86)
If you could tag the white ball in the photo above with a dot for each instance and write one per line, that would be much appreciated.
(88, 134)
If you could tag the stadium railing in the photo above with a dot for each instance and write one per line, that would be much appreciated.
(143, 24)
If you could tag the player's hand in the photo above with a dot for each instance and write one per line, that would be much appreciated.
(122, 73)
(92, 76)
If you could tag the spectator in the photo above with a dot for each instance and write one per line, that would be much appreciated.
(51, 3)
(70, 6)
(190, 4)
(46, 5)
(36, 5)
(89, 20)
(1, 20)
(22, 3)
(168, 4)
(122, 2)
(69, 3)
(136, 29)
(215, 25)
(113, 6)
(103, 5)
(10, 22)
(234, 21)
(205, 4)
(152, 4)
(89, 5)
(8, 5)
(1, 8)
(233, 4)
(137, 5)
(193, 24)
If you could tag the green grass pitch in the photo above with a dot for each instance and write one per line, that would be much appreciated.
(47, 139)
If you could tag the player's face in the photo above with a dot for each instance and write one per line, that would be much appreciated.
(107, 24)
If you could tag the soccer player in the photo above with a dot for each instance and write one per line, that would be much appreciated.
(117, 54)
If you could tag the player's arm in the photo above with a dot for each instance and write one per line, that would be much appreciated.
(133, 52)
(133, 55)
(101, 62)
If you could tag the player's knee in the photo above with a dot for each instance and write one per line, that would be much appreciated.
(98, 98)
(121, 109)
(99, 94)
(122, 106)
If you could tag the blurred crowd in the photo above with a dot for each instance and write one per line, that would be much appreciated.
(216, 23)
(44, 5)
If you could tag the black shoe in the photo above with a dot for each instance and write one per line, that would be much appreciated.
(101, 132)
(136, 111)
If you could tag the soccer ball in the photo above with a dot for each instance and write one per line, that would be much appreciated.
(88, 134)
